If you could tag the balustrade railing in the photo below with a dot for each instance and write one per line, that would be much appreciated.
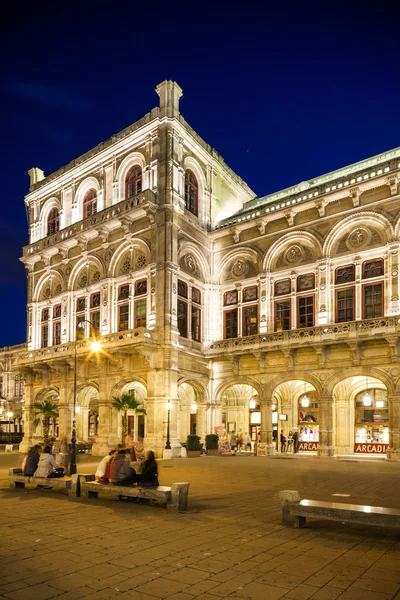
(319, 334)
(95, 220)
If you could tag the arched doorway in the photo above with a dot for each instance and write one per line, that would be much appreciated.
(295, 409)
(361, 416)
(87, 409)
(136, 423)
(240, 411)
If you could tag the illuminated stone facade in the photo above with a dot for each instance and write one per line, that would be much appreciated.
(203, 294)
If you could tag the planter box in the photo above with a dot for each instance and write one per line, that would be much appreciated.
(212, 452)
(193, 453)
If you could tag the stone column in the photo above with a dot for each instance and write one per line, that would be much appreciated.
(27, 440)
(107, 437)
(200, 421)
(266, 425)
(393, 452)
(326, 448)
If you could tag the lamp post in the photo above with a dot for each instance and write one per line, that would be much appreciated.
(168, 406)
(9, 415)
(95, 347)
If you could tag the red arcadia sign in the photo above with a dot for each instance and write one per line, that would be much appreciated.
(308, 446)
(371, 448)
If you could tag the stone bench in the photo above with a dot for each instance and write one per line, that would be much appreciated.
(174, 497)
(72, 484)
(295, 512)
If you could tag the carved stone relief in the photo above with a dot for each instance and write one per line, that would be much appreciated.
(189, 264)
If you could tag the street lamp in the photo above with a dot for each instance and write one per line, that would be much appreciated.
(168, 406)
(95, 348)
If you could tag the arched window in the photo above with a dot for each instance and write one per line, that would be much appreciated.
(53, 221)
(133, 182)
(90, 204)
(191, 192)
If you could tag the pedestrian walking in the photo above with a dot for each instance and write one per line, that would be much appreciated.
(247, 441)
(295, 441)
(239, 440)
(283, 443)
(233, 442)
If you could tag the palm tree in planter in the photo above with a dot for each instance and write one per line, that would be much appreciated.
(44, 411)
(127, 401)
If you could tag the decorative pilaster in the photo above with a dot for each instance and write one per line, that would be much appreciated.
(326, 448)
(393, 452)
(266, 424)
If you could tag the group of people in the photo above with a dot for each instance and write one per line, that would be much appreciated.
(291, 443)
(239, 440)
(116, 468)
(40, 462)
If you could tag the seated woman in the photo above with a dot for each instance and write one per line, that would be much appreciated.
(121, 472)
(149, 472)
(101, 472)
(47, 466)
(30, 463)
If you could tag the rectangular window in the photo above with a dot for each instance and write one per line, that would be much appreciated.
(140, 313)
(57, 311)
(372, 301)
(305, 282)
(80, 327)
(45, 336)
(80, 304)
(372, 268)
(45, 314)
(282, 287)
(19, 386)
(230, 323)
(182, 318)
(123, 317)
(196, 296)
(282, 315)
(95, 300)
(182, 289)
(123, 292)
(345, 305)
(141, 287)
(196, 323)
(230, 298)
(250, 320)
(95, 320)
(56, 333)
(250, 294)
(345, 274)
(305, 310)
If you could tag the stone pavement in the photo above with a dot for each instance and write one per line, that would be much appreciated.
(229, 545)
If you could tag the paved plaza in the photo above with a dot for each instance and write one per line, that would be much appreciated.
(230, 544)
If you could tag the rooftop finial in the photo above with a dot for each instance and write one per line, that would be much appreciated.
(169, 92)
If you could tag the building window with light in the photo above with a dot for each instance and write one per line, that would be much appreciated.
(95, 312)
(191, 192)
(123, 307)
(141, 303)
(182, 307)
(133, 182)
(90, 204)
(80, 317)
(57, 324)
(19, 386)
(371, 421)
(196, 315)
(45, 328)
(282, 315)
(372, 300)
(53, 221)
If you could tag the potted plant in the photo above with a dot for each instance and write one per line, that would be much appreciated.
(193, 446)
(44, 412)
(212, 444)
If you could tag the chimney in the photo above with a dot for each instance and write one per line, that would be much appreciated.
(35, 175)
(169, 92)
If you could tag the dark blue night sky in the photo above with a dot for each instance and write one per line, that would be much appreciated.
(284, 95)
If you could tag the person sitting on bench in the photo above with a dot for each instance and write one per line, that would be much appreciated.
(149, 472)
(121, 472)
(31, 461)
(47, 466)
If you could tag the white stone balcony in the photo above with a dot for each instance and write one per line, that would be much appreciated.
(310, 336)
(100, 218)
(122, 341)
